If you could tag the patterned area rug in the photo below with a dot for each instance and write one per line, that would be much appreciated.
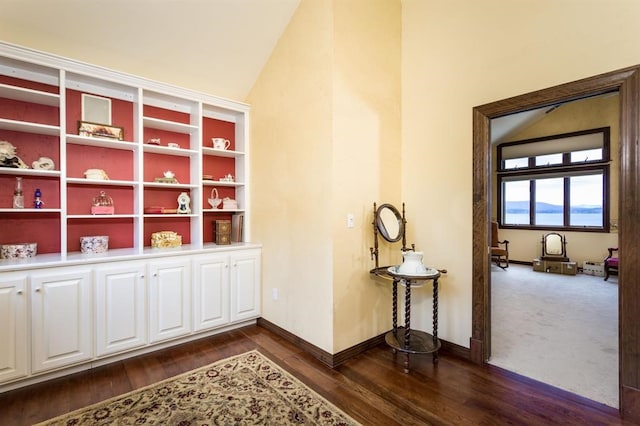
(247, 389)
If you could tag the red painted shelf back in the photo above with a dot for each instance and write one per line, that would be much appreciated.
(80, 198)
(29, 112)
(117, 163)
(181, 226)
(42, 228)
(213, 128)
(28, 84)
(119, 230)
(121, 113)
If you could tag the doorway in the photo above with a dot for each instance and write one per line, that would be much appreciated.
(544, 325)
(627, 82)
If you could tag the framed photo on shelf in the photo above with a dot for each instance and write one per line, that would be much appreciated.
(96, 130)
(96, 109)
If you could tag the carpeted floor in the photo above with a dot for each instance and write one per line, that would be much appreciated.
(557, 329)
(247, 389)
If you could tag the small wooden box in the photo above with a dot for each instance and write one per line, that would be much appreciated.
(223, 226)
(222, 239)
(553, 266)
(165, 239)
(102, 210)
(569, 268)
(223, 232)
(538, 265)
(593, 268)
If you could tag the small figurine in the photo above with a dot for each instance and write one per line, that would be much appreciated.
(38, 203)
(183, 203)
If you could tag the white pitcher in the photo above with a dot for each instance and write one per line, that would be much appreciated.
(221, 143)
(412, 264)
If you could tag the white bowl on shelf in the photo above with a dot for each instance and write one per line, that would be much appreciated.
(18, 251)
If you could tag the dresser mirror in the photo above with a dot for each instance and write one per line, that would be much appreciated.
(554, 247)
(389, 223)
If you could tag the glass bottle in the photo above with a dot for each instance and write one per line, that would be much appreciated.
(18, 198)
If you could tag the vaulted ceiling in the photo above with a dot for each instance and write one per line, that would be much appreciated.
(218, 46)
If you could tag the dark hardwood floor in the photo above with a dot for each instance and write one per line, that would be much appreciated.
(370, 387)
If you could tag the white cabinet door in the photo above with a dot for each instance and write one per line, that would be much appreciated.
(210, 291)
(61, 318)
(245, 285)
(169, 299)
(121, 321)
(13, 327)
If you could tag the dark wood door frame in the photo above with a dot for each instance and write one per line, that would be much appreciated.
(627, 83)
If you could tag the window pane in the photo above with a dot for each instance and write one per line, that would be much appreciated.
(516, 202)
(549, 202)
(516, 163)
(548, 160)
(586, 201)
(586, 155)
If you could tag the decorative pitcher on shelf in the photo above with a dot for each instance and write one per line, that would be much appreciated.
(220, 143)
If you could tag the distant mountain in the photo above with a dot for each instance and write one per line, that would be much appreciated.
(520, 207)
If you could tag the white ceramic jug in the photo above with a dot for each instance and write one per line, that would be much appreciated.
(220, 143)
(412, 264)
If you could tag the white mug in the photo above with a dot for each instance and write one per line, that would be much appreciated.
(220, 143)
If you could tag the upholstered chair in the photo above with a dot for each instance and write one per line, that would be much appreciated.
(611, 263)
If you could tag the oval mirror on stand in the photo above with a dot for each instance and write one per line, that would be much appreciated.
(390, 223)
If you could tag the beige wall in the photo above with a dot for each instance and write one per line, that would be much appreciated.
(591, 113)
(366, 166)
(326, 137)
(463, 53)
(291, 131)
(331, 133)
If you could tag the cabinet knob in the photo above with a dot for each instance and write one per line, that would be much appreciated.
(155, 275)
(141, 276)
(19, 292)
(38, 290)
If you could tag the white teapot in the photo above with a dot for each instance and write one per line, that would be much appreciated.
(412, 264)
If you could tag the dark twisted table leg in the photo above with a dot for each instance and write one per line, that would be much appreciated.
(435, 319)
(395, 309)
(407, 321)
(395, 305)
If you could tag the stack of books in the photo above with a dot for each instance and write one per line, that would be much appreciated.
(237, 225)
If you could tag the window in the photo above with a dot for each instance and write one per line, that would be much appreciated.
(565, 189)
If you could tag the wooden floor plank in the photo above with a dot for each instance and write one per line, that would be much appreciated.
(371, 387)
